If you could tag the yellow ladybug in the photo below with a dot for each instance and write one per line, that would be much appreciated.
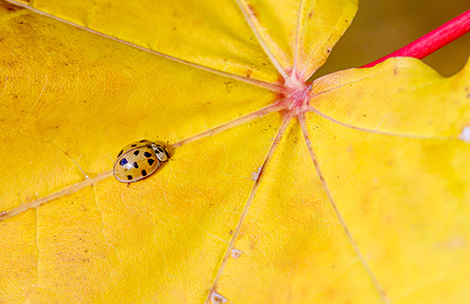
(139, 160)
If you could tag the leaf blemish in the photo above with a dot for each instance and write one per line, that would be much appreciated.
(236, 253)
(465, 134)
(217, 298)
(252, 11)
(255, 175)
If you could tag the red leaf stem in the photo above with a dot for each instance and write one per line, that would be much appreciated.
(433, 40)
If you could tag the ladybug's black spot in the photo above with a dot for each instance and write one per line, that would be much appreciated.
(123, 162)
(144, 173)
(151, 161)
(143, 140)
(147, 154)
(134, 145)
(136, 152)
(135, 165)
(120, 153)
(129, 177)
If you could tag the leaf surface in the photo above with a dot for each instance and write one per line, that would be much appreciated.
(352, 190)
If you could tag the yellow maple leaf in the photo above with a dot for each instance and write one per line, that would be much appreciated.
(351, 189)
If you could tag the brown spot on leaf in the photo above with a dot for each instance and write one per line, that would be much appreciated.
(13, 8)
(217, 298)
(252, 11)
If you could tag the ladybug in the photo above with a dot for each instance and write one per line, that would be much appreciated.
(139, 160)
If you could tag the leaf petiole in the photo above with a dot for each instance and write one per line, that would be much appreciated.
(433, 40)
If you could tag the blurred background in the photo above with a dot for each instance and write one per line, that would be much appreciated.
(383, 26)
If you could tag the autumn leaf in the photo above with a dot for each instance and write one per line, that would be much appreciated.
(351, 189)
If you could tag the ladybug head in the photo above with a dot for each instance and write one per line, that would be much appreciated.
(161, 151)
